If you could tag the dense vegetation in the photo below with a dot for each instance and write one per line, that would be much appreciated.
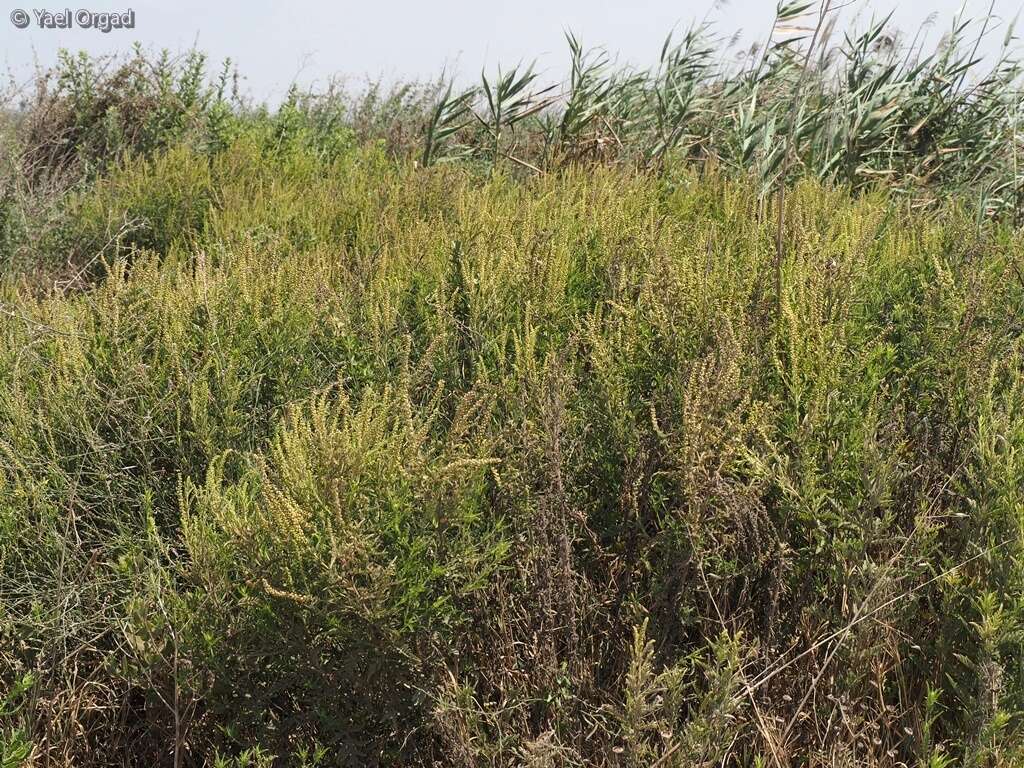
(588, 446)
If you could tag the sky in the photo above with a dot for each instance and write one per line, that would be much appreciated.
(275, 44)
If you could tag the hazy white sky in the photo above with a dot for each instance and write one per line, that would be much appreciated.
(276, 43)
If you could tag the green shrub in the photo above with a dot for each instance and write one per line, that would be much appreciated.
(342, 460)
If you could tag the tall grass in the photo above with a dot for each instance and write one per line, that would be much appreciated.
(679, 423)
(389, 466)
(863, 109)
